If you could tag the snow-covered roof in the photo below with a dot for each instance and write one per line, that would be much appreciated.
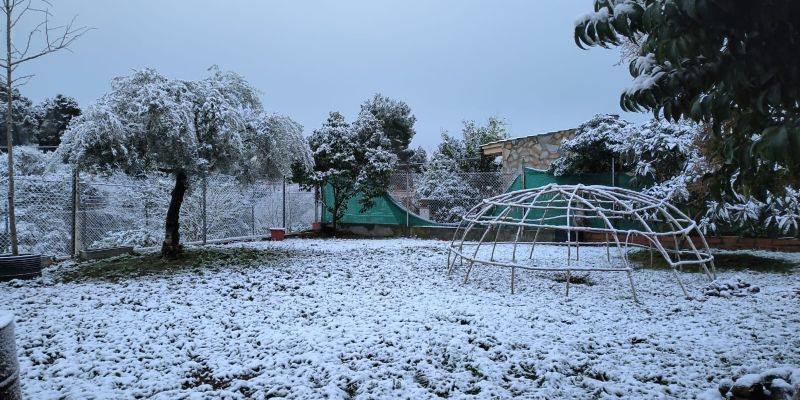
(526, 137)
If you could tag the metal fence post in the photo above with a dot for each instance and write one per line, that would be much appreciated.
(408, 201)
(253, 218)
(204, 185)
(284, 202)
(522, 168)
(317, 211)
(76, 201)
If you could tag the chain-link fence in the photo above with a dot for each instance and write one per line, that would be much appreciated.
(61, 217)
(443, 196)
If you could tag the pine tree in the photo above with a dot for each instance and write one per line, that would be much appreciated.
(54, 116)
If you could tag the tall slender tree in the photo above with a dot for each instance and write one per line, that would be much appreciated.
(52, 39)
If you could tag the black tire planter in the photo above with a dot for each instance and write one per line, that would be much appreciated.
(23, 266)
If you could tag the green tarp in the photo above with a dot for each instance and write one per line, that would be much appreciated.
(387, 211)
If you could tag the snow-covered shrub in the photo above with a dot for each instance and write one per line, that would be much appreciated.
(594, 147)
(28, 161)
(774, 384)
(444, 191)
(666, 161)
(777, 214)
(134, 237)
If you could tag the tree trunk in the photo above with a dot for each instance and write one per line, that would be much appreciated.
(172, 240)
(12, 217)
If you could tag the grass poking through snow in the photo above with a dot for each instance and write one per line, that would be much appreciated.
(195, 259)
(722, 261)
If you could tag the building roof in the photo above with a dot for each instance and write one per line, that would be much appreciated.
(496, 147)
(491, 144)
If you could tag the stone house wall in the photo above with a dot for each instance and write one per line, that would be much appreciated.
(533, 151)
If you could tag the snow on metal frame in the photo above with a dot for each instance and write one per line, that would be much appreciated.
(620, 214)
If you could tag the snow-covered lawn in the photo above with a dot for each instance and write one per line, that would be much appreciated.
(381, 319)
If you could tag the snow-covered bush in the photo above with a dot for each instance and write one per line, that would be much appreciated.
(134, 237)
(774, 384)
(595, 146)
(665, 160)
(444, 191)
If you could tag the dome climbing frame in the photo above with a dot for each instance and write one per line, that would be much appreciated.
(573, 216)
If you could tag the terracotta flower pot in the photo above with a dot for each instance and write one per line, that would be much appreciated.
(277, 234)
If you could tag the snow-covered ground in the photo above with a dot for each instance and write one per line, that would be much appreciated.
(381, 319)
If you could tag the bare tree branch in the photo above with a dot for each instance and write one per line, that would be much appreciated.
(25, 78)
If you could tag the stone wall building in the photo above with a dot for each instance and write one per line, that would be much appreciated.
(535, 151)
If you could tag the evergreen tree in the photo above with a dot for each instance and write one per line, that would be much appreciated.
(397, 123)
(734, 65)
(467, 151)
(24, 119)
(418, 159)
(350, 160)
(54, 116)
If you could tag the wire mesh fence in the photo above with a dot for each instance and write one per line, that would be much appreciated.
(61, 217)
(443, 196)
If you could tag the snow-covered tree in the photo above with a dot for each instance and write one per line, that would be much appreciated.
(54, 116)
(24, 117)
(467, 149)
(350, 160)
(443, 190)
(397, 123)
(733, 65)
(186, 128)
(418, 160)
(594, 147)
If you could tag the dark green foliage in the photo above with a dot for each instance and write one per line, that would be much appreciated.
(467, 150)
(23, 116)
(348, 160)
(396, 121)
(732, 64)
(54, 116)
(594, 147)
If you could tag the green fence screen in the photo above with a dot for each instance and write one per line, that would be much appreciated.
(387, 211)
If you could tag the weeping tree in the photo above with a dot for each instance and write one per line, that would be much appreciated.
(150, 123)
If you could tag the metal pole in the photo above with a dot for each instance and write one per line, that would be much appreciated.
(408, 200)
(522, 167)
(76, 201)
(205, 209)
(74, 233)
(316, 205)
(284, 202)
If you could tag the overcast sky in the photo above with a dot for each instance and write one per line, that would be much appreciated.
(450, 60)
